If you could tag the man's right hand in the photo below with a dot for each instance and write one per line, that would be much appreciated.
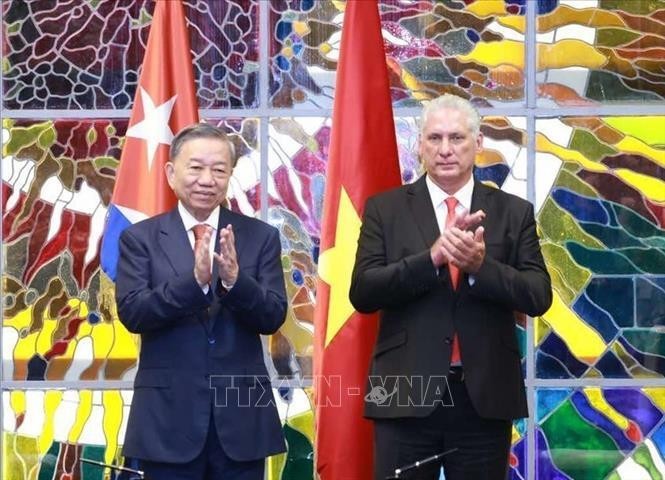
(202, 261)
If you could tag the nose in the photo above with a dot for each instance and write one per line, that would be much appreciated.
(445, 147)
(205, 177)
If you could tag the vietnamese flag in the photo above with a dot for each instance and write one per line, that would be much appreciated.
(165, 103)
(363, 161)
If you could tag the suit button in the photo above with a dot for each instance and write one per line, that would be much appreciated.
(447, 340)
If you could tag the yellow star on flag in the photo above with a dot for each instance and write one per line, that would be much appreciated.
(336, 265)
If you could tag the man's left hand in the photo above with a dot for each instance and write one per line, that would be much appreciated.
(226, 259)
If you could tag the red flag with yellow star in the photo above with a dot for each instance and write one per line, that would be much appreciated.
(165, 103)
(363, 161)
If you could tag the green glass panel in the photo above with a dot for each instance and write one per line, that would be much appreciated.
(300, 457)
(590, 146)
(577, 448)
(647, 341)
(614, 37)
(638, 7)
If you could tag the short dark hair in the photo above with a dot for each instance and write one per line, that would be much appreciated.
(201, 130)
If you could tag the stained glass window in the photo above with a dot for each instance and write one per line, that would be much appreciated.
(600, 188)
(59, 319)
(72, 54)
(50, 433)
(600, 52)
(473, 49)
(600, 433)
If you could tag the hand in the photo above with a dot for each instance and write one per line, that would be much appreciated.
(202, 272)
(463, 221)
(438, 253)
(226, 259)
(467, 221)
(464, 249)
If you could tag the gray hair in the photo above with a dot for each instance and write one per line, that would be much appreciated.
(452, 102)
(201, 130)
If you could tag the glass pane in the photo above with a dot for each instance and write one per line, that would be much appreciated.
(600, 51)
(297, 415)
(46, 433)
(595, 434)
(517, 460)
(85, 55)
(59, 311)
(473, 49)
(600, 191)
(59, 317)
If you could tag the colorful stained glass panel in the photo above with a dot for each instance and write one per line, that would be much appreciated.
(600, 433)
(473, 49)
(72, 54)
(600, 51)
(59, 318)
(46, 433)
(59, 311)
(602, 229)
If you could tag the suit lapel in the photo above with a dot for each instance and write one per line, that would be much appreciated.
(175, 243)
(480, 198)
(422, 210)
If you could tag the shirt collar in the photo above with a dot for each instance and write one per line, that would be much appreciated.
(189, 221)
(438, 196)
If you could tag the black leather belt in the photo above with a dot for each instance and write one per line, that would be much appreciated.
(456, 374)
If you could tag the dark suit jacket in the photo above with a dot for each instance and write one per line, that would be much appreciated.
(419, 310)
(193, 345)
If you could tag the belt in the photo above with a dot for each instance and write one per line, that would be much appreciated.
(456, 374)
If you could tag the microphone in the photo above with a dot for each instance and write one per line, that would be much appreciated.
(420, 463)
(139, 473)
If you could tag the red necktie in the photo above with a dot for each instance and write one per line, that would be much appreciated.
(451, 203)
(200, 230)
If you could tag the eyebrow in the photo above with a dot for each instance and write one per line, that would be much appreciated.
(200, 160)
(455, 132)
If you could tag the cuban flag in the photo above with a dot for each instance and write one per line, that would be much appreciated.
(165, 103)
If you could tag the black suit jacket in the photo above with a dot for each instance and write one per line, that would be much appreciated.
(196, 348)
(419, 310)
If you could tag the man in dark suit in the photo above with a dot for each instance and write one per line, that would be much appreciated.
(201, 284)
(445, 374)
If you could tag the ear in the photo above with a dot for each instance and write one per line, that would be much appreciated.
(479, 142)
(420, 148)
(169, 171)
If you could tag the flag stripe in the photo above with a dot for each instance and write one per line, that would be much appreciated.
(116, 222)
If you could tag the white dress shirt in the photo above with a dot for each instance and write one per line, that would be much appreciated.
(438, 196)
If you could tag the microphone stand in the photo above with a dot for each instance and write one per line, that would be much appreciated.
(420, 463)
(140, 473)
